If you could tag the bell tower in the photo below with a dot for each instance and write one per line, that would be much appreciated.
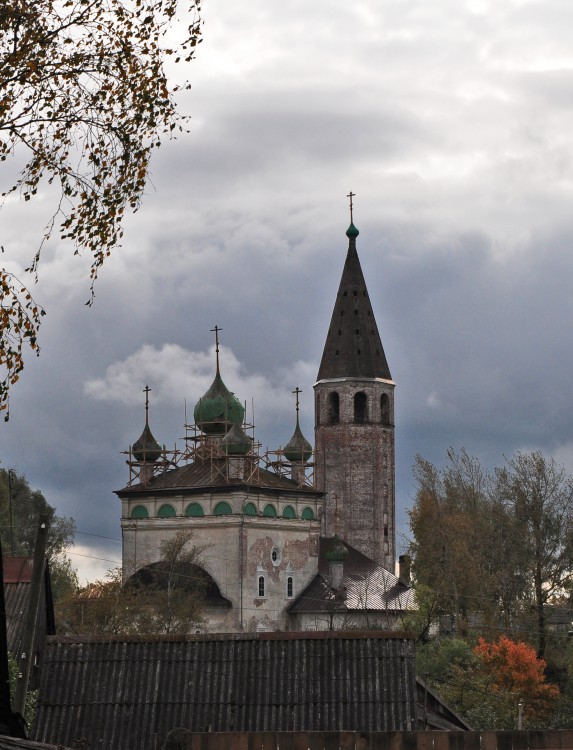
(354, 421)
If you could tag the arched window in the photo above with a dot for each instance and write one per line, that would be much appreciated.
(290, 587)
(360, 407)
(333, 408)
(307, 514)
(317, 410)
(261, 586)
(195, 510)
(140, 511)
(223, 509)
(289, 512)
(270, 511)
(250, 509)
(166, 511)
(385, 408)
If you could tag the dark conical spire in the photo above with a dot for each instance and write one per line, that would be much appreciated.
(353, 346)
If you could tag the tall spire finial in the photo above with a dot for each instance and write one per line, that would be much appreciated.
(351, 195)
(296, 391)
(216, 332)
(147, 390)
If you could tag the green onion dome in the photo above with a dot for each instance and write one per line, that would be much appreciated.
(218, 409)
(235, 442)
(352, 232)
(146, 448)
(338, 552)
(298, 448)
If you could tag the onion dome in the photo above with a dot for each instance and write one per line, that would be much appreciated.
(236, 442)
(298, 448)
(338, 552)
(146, 448)
(352, 232)
(218, 409)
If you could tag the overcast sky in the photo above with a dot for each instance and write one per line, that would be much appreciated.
(452, 122)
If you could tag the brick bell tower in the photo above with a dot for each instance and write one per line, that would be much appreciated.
(354, 422)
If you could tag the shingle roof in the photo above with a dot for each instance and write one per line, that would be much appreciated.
(368, 586)
(200, 475)
(353, 347)
(127, 693)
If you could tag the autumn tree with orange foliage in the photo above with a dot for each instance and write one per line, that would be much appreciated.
(514, 669)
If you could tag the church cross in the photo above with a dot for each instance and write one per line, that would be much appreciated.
(216, 332)
(147, 390)
(351, 195)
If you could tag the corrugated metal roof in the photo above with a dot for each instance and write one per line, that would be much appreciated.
(367, 586)
(199, 475)
(13, 743)
(128, 693)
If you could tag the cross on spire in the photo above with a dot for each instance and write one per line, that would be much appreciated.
(351, 195)
(216, 332)
(147, 391)
(296, 391)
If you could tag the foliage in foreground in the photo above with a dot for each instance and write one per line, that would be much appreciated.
(486, 682)
(162, 598)
(504, 550)
(85, 100)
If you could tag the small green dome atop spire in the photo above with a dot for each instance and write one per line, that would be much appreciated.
(218, 409)
(352, 232)
(236, 442)
(146, 447)
(338, 552)
(298, 448)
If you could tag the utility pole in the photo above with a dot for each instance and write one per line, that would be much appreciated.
(11, 723)
(27, 647)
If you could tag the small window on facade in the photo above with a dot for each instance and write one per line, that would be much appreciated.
(194, 510)
(250, 509)
(384, 409)
(270, 511)
(222, 509)
(289, 512)
(275, 556)
(140, 511)
(290, 587)
(261, 586)
(333, 407)
(166, 511)
(360, 407)
(307, 514)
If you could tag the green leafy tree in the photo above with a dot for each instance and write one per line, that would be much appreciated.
(539, 496)
(85, 100)
(20, 509)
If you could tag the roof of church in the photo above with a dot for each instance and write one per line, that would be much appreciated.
(367, 585)
(353, 346)
(123, 693)
(206, 474)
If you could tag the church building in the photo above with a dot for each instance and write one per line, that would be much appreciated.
(293, 539)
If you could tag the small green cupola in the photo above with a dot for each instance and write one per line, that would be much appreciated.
(236, 442)
(352, 233)
(337, 552)
(146, 449)
(218, 409)
(298, 448)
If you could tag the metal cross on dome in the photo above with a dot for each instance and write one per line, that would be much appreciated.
(147, 391)
(216, 332)
(351, 195)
